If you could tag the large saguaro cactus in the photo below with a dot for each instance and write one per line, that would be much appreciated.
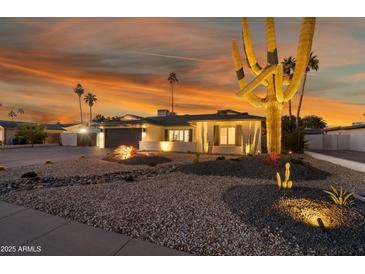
(272, 75)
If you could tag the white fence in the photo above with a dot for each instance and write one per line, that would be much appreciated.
(354, 142)
(69, 139)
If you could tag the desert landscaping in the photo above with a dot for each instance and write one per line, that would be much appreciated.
(211, 206)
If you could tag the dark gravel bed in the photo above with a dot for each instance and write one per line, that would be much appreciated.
(32, 180)
(254, 168)
(265, 206)
(150, 160)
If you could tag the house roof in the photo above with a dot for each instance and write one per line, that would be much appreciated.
(54, 126)
(346, 127)
(185, 120)
(9, 124)
(314, 131)
(15, 124)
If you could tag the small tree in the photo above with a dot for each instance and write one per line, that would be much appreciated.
(31, 133)
(12, 114)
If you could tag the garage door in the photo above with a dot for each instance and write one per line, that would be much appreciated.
(123, 136)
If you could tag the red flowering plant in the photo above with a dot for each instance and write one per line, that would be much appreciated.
(273, 159)
(125, 152)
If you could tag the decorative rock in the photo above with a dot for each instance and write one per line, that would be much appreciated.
(30, 174)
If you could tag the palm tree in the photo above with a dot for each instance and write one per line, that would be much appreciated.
(172, 80)
(79, 90)
(313, 64)
(90, 99)
(289, 67)
(12, 114)
(20, 112)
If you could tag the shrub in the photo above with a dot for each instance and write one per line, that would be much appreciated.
(293, 140)
(221, 158)
(341, 197)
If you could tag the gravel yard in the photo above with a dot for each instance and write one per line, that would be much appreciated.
(207, 214)
(78, 167)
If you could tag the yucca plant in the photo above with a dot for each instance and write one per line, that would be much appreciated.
(341, 197)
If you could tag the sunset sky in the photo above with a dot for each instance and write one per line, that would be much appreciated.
(126, 62)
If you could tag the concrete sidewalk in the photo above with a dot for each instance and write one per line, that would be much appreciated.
(30, 232)
(353, 161)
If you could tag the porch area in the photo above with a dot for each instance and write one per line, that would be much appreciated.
(167, 146)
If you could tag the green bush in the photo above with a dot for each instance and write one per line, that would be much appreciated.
(31, 133)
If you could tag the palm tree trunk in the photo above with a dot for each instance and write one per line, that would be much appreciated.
(301, 98)
(290, 112)
(172, 98)
(90, 116)
(80, 109)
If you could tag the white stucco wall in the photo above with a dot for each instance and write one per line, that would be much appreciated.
(100, 140)
(153, 133)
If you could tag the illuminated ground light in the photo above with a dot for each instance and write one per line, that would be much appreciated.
(125, 152)
(313, 213)
(165, 146)
(83, 130)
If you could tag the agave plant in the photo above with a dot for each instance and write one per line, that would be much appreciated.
(341, 197)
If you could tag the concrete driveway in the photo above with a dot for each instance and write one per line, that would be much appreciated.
(16, 157)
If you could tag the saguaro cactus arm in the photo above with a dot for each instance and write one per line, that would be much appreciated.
(265, 74)
(253, 99)
(248, 48)
(303, 53)
(272, 51)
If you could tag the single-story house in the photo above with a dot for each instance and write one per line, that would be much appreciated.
(224, 132)
(8, 131)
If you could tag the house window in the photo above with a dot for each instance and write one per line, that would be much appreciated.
(179, 135)
(227, 136)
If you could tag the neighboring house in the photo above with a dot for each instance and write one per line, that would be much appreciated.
(8, 131)
(223, 132)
